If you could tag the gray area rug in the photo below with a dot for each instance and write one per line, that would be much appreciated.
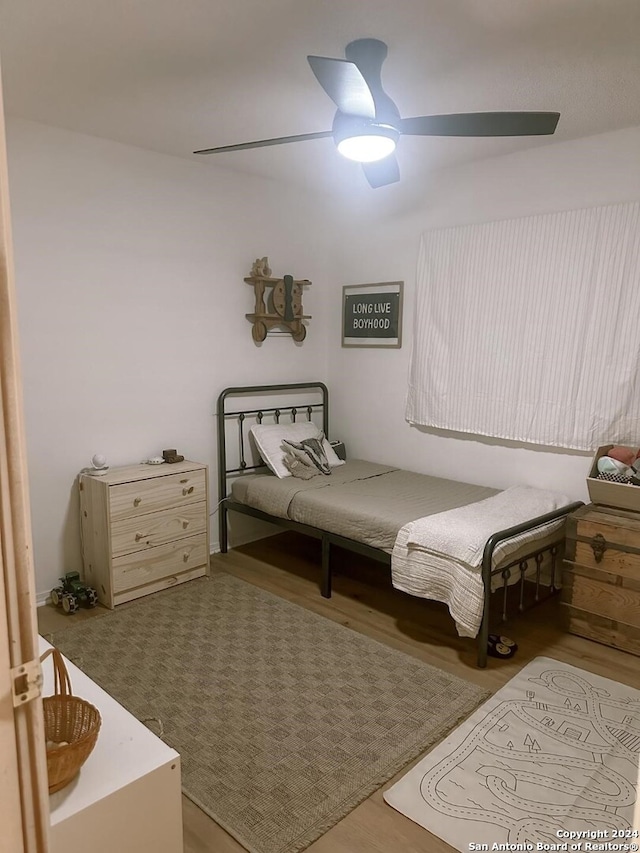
(284, 720)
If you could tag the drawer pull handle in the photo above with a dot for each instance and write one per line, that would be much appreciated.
(137, 501)
(185, 523)
(187, 491)
(185, 557)
(140, 536)
(598, 546)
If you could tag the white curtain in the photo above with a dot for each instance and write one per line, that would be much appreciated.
(529, 329)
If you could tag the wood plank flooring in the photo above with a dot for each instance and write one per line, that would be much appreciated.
(363, 599)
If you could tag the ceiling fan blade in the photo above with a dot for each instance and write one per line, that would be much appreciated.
(382, 172)
(343, 82)
(262, 143)
(482, 124)
(369, 56)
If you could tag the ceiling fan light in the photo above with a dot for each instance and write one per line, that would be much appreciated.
(366, 148)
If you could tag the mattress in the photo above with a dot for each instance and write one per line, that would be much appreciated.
(360, 500)
(372, 503)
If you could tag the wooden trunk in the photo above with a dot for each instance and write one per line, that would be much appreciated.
(601, 578)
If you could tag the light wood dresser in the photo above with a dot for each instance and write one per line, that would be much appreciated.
(144, 528)
(601, 577)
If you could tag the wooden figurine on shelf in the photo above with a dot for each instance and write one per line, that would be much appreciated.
(261, 268)
(282, 306)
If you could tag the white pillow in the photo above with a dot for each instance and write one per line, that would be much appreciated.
(268, 439)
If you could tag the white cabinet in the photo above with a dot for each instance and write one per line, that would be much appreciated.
(127, 797)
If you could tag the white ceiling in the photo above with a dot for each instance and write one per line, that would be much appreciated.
(176, 75)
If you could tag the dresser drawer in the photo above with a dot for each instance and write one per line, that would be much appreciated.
(146, 531)
(162, 562)
(145, 496)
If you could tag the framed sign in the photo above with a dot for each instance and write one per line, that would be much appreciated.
(372, 315)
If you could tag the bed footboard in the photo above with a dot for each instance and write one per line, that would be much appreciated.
(527, 569)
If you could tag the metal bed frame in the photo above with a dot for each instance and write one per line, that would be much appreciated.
(327, 538)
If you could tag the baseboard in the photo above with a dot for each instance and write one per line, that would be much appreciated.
(43, 598)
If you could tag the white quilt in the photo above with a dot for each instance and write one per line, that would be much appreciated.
(440, 556)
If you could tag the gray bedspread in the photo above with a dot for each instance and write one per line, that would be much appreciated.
(361, 500)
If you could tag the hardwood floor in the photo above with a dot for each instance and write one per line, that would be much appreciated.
(363, 599)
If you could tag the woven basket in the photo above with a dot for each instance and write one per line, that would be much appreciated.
(70, 720)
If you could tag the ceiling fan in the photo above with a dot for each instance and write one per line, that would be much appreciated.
(368, 125)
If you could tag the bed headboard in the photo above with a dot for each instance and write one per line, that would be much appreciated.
(295, 401)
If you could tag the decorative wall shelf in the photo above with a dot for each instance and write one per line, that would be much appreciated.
(278, 305)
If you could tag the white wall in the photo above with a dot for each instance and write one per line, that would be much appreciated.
(369, 385)
(129, 268)
(131, 305)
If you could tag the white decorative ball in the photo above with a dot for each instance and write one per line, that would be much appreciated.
(99, 460)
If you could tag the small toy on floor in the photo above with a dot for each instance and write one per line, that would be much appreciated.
(72, 592)
(501, 647)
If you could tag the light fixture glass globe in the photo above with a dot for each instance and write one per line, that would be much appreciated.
(366, 148)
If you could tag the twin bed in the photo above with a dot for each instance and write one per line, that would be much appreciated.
(384, 512)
